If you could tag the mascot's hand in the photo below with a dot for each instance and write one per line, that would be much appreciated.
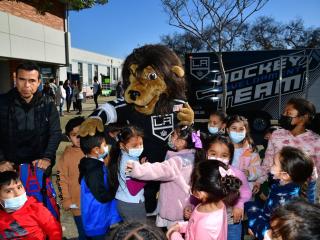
(186, 115)
(90, 126)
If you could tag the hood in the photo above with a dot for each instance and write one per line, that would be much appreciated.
(87, 165)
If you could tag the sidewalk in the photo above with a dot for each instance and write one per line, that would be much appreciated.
(67, 222)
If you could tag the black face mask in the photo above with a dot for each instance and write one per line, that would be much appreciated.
(285, 122)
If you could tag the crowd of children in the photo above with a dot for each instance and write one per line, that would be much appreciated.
(208, 182)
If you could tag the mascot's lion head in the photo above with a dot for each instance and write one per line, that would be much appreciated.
(152, 77)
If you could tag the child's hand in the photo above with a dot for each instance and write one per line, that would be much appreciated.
(256, 187)
(246, 172)
(174, 228)
(187, 212)
(129, 166)
(237, 214)
(42, 163)
(143, 160)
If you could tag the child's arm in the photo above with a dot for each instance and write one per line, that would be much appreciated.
(245, 191)
(267, 161)
(62, 182)
(165, 171)
(174, 233)
(254, 168)
(95, 182)
(47, 222)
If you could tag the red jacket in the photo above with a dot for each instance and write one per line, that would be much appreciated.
(32, 221)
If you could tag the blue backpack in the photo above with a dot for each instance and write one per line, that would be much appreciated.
(32, 179)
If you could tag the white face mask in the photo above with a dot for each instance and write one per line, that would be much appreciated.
(224, 160)
(13, 204)
(135, 152)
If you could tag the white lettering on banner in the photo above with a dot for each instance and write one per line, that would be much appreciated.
(243, 95)
(263, 90)
(247, 72)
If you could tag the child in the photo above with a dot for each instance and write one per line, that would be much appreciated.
(137, 231)
(23, 217)
(174, 173)
(216, 122)
(291, 168)
(68, 173)
(295, 220)
(130, 193)
(220, 148)
(212, 183)
(245, 157)
(298, 116)
(98, 187)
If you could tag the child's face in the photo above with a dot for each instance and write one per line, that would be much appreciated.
(219, 151)
(74, 136)
(15, 189)
(237, 127)
(178, 143)
(134, 142)
(215, 121)
(277, 171)
(6, 166)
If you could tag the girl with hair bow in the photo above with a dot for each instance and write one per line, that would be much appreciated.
(174, 173)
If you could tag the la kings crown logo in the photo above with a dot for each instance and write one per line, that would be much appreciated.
(162, 126)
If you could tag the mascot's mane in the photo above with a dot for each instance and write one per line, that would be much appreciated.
(162, 60)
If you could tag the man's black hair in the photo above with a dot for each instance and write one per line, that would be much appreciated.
(28, 66)
(7, 177)
(72, 123)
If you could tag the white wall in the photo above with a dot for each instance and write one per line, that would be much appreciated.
(24, 39)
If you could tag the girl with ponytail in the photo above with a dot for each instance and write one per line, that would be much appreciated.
(214, 185)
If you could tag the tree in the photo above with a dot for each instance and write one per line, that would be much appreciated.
(211, 22)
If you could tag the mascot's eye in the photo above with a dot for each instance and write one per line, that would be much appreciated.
(152, 76)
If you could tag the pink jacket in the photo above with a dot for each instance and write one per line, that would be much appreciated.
(175, 176)
(204, 226)
(245, 191)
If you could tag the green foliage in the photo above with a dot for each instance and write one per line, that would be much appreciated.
(44, 6)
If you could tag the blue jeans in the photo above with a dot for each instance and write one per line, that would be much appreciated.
(312, 191)
(78, 221)
(234, 231)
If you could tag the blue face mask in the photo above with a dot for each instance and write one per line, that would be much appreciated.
(135, 152)
(13, 204)
(170, 143)
(213, 130)
(104, 154)
(237, 137)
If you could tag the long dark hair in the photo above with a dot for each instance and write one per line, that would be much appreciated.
(161, 59)
(126, 133)
(206, 177)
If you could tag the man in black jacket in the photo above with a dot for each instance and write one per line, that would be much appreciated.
(30, 129)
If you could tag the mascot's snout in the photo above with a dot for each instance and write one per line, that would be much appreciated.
(133, 95)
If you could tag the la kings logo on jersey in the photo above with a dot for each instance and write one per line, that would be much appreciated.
(162, 126)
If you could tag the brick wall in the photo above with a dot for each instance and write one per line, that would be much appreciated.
(54, 18)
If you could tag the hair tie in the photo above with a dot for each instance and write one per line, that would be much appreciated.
(224, 172)
(196, 139)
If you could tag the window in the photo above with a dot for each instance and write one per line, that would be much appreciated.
(80, 71)
(115, 73)
(96, 70)
(90, 74)
(108, 71)
(69, 69)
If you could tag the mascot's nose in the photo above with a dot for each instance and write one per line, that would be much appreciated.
(134, 94)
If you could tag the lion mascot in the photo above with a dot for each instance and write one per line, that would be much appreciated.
(154, 101)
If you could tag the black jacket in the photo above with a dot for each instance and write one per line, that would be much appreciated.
(28, 131)
(91, 170)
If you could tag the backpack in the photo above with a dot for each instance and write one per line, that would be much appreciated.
(32, 179)
(99, 91)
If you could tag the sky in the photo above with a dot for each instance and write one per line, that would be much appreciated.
(118, 27)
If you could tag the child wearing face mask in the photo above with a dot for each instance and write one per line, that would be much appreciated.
(174, 173)
(98, 186)
(214, 185)
(216, 123)
(220, 147)
(245, 157)
(130, 193)
(23, 217)
(291, 169)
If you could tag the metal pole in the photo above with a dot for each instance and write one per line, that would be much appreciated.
(307, 78)
(280, 84)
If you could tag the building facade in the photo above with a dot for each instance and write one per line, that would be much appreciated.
(25, 34)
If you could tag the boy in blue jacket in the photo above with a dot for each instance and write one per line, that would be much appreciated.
(98, 188)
